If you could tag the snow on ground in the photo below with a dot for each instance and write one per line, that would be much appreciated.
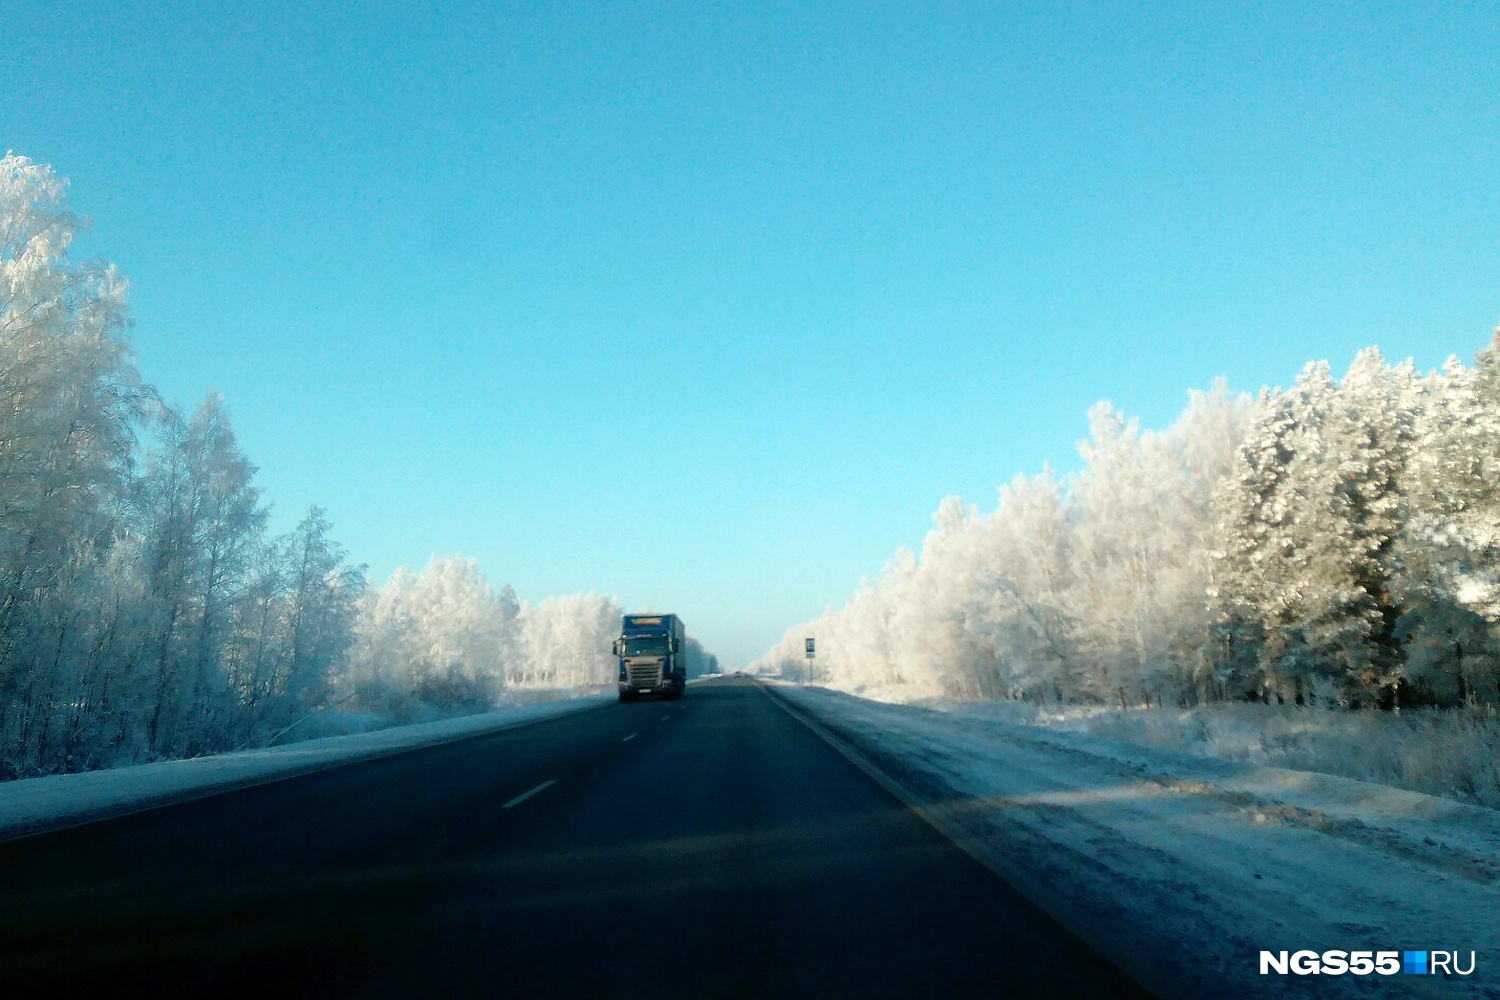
(1191, 865)
(32, 805)
(1449, 752)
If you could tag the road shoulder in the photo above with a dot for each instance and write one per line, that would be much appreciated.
(1181, 882)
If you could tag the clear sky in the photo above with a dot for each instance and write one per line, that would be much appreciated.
(708, 306)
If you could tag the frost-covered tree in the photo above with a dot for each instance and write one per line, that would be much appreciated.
(1335, 542)
(1019, 608)
(1450, 546)
(68, 387)
(434, 638)
(322, 594)
(1313, 518)
(1142, 533)
(1370, 441)
(388, 660)
(69, 394)
(568, 640)
(200, 517)
(142, 610)
(443, 640)
(1253, 512)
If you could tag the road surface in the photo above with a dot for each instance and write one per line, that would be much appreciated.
(707, 847)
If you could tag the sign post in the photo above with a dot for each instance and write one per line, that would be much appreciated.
(811, 652)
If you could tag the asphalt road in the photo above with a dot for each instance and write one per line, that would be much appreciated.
(708, 847)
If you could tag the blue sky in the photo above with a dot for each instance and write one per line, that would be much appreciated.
(708, 307)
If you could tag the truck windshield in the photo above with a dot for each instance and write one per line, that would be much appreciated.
(645, 645)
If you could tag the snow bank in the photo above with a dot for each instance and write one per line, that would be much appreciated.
(1192, 865)
(33, 805)
(1451, 752)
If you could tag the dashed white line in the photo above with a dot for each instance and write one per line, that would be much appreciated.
(666, 718)
(628, 738)
(526, 795)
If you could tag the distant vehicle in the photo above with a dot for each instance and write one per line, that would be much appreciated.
(650, 649)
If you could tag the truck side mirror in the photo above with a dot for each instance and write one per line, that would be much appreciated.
(615, 647)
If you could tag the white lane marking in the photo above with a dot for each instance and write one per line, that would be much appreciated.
(666, 718)
(526, 795)
(628, 738)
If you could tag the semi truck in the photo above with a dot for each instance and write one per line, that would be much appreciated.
(652, 654)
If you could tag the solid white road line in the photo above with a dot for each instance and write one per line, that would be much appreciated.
(628, 738)
(526, 795)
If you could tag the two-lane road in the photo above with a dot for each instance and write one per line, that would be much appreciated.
(709, 847)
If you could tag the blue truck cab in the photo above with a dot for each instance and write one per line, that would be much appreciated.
(651, 650)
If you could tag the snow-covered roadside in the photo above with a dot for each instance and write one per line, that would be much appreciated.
(1193, 865)
(33, 805)
(1449, 752)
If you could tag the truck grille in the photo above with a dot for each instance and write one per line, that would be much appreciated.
(645, 675)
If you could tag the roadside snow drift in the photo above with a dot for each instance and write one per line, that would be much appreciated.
(1192, 866)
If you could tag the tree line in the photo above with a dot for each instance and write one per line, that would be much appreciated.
(1337, 543)
(145, 610)
(444, 638)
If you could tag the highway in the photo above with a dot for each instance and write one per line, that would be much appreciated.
(708, 847)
